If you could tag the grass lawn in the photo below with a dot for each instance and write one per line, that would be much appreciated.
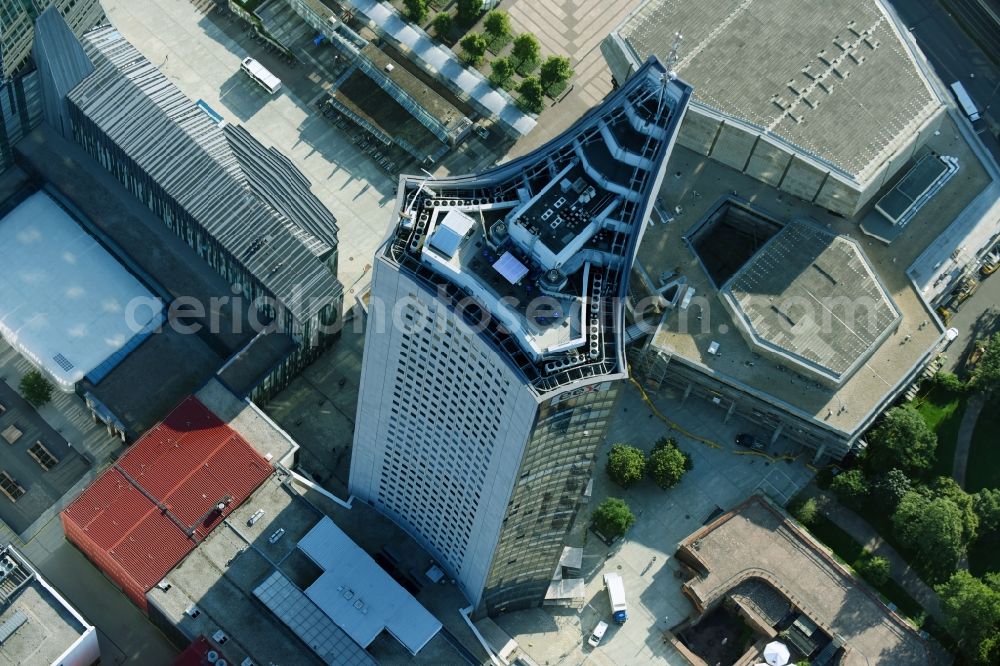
(942, 410)
(984, 456)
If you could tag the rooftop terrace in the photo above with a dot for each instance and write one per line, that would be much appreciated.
(834, 78)
(544, 243)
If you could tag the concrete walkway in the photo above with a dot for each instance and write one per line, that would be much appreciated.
(865, 534)
(965, 430)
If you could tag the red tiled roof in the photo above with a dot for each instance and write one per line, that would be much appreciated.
(154, 505)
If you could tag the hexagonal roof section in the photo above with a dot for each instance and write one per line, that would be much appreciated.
(811, 300)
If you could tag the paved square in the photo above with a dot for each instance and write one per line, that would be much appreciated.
(723, 476)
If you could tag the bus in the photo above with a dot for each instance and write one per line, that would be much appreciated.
(259, 73)
(964, 101)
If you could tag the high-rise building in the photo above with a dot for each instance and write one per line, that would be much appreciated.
(495, 342)
(17, 23)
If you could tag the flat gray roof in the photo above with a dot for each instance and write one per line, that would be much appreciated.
(687, 336)
(50, 628)
(756, 541)
(811, 296)
(832, 78)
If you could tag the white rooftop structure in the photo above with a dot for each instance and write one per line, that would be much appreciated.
(357, 594)
(65, 303)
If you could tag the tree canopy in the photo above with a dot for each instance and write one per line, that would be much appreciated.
(972, 611)
(497, 25)
(933, 529)
(987, 505)
(667, 463)
(526, 52)
(613, 518)
(35, 388)
(888, 490)
(467, 11)
(986, 376)
(554, 70)
(902, 440)
(501, 71)
(416, 10)
(532, 95)
(474, 46)
(442, 25)
(626, 465)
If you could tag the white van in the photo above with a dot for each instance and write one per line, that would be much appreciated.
(595, 638)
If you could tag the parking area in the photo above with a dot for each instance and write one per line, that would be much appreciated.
(723, 476)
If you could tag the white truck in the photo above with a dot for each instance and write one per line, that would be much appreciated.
(616, 593)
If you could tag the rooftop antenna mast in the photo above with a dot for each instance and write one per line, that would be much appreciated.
(672, 58)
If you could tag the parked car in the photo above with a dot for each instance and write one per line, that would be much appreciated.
(599, 631)
(990, 262)
(748, 441)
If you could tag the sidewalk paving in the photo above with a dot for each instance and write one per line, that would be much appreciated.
(965, 430)
(865, 534)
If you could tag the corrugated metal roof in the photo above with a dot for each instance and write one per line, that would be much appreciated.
(251, 199)
(156, 503)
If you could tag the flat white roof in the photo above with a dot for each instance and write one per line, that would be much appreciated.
(357, 594)
(64, 301)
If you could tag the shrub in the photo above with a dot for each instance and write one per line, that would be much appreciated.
(806, 512)
(851, 488)
(873, 568)
(626, 465)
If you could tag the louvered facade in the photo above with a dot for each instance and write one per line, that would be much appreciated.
(244, 208)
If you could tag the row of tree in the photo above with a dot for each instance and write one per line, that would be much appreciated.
(665, 465)
(524, 59)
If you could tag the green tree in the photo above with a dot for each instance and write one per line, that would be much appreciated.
(613, 518)
(526, 52)
(873, 568)
(496, 25)
(416, 10)
(626, 465)
(474, 46)
(902, 440)
(667, 463)
(532, 96)
(889, 489)
(806, 512)
(554, 72)
(986, 376)
(972, 614)
(949, 381)
(851, 488)
(35, 388)
(946, 487)
(467, 11)
(987, 505)
(501, 71)
(442, 25)
(933, 530)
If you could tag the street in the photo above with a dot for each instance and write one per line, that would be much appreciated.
(955, 56)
